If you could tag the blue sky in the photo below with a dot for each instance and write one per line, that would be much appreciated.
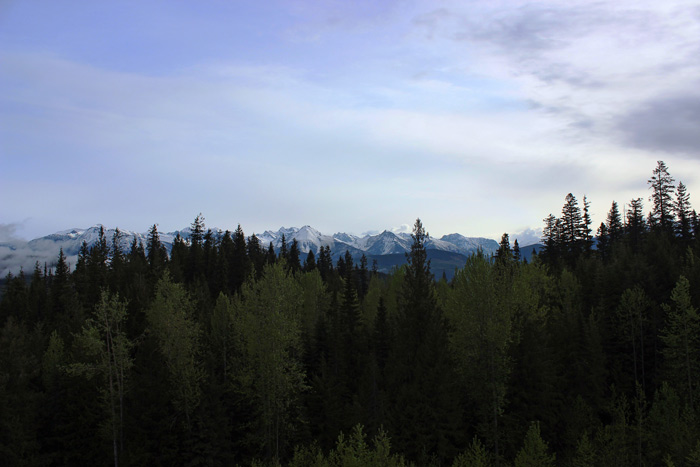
(478, 117)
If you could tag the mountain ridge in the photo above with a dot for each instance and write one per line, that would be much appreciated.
(18, 254)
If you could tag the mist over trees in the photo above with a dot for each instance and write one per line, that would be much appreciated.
(227, 352)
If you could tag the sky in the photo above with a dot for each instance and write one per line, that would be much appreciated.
(476, 116)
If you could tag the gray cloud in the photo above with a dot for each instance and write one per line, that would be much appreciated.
(8, 233)
(669, 124)
(16, 253)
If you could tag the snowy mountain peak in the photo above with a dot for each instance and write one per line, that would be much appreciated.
(388, 242)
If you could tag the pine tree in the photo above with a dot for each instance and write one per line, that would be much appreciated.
(661, 185)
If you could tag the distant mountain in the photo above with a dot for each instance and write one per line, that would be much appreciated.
(527, 252)
(19, 254)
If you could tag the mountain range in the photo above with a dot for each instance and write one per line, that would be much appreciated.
(388, 248)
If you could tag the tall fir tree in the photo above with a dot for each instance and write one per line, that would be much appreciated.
(662, 188)
(421, 373)
(682, 208)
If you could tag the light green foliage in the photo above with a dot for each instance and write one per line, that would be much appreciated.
(480, 315)
(534, 452)
(107, 354)
(53, 360)
(682, 339)
(585, 453)
(354, 451)
(313, 299)
(171, 320)
(475, 456)
(351, 451)
(693, 459)
(631, 315)
(370, 303)
(269, 313)
(671, 426)
(221, 335)
(614, 440)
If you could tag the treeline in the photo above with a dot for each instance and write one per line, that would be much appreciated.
(227, 352)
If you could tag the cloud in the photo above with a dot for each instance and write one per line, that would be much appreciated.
(668, 124)
(528, 236)
(16, 254)
(8, 233)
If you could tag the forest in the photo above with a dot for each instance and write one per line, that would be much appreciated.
(228, 352)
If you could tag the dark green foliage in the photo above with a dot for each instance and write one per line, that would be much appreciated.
(230, 356)
(419, 366)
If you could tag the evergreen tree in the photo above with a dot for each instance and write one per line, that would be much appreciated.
(194, 269)
(481, 331)
(683, 214)
(240, 260)
(116, 265)
(517, 256)
(156, 254)
(256, 254)
(681, 337)
(284, 250)
(614, 223)
(572, 227)
(636, 227)
(310, 263)
(294, 262)
(420, 377)
(661, 186)
(551, 239)
(535, 452)
(271, 255)
(603, 240)
(504, 253)
(586, 237)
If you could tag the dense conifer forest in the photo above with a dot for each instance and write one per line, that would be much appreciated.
(227, 352)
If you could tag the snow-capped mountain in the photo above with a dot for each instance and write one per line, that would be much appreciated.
(19, 254)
